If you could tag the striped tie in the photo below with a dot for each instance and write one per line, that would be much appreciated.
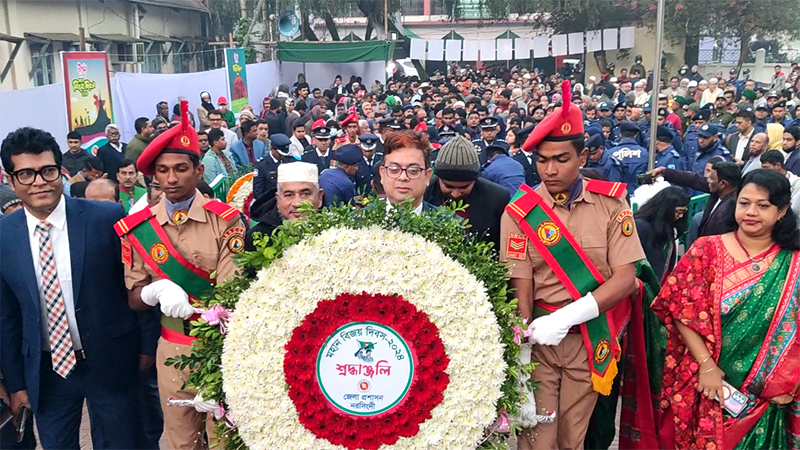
(61, 351)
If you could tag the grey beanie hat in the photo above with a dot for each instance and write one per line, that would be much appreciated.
(458, 161)
(7, 198)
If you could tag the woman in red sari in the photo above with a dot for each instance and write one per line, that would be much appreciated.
(730, 308)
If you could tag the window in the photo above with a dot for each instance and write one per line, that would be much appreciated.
(42, 64)
(152, 59)
(124, 52)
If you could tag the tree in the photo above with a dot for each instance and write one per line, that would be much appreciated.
(691, 20)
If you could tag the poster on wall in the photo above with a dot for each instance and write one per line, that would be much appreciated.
(236, 70)
(88, 96)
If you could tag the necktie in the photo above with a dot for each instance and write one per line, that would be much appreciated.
(369, 162)
(61, 352)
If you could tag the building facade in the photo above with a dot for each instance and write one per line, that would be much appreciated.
(150, 36)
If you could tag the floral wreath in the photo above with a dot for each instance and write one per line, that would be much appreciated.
(240, 195)
(370, 281)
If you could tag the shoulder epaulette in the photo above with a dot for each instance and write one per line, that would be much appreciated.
(607, 188)
(126, 224)
(436, 145)
(523, 202)
(224, 210)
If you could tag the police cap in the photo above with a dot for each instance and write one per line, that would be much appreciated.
(662, 112)
(321, 132)
(707, 130)
(628, 127)
(663, 134)
(489, 122)
(348, 154)
(702, 114)
(280, 142)
(368, 141)
(594, 143)
(619, 105)
(647, 107)
(603, 106)
(446, 130)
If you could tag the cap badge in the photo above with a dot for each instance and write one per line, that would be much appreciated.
(185, 141)
(566, 128)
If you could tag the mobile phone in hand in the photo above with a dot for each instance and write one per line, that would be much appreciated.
(22, 423)
(734, 401)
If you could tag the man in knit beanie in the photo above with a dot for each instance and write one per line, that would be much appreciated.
(457, 178)
(9, 202)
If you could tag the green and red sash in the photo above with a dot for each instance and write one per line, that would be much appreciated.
(551, 239)
(143, 233)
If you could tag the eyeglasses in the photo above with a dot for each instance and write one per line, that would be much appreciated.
(28, 176)
(412, 172)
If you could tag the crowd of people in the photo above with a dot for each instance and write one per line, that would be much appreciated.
(546, 167)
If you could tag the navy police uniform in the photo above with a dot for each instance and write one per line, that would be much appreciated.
(632, 156)
(336, 185)
(609, 166)
(370, 158)
(265, 172)
(312, 156)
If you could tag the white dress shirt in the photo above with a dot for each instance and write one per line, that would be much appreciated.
(417, 210)
(59, 239)
(741, 146)
(230, 137)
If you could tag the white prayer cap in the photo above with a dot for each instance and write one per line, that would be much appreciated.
(298, 171)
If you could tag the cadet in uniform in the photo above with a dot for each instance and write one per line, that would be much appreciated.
(170, 252)
(489, 130)
(602, 161)
(337, 182)
(350, 127)
(666, 155)
(265, 172)
(564, 218)
(369, 144)
(321, 153)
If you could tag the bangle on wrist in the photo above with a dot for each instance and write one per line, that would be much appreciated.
(705, 360)
(709, 370)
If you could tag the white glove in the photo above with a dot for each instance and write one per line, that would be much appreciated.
(551, 329)
(207, 406)
(525, 353)
(173, 299)
(527, 410)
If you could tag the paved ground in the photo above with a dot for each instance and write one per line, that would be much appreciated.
(86, 438)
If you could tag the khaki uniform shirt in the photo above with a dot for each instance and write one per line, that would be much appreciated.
(595, 221)
(204, 240)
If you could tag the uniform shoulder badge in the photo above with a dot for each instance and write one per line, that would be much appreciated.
(607, 188)
(126, 224)
(223, 210)
(517, 246)
(625, 219)
(234, 239)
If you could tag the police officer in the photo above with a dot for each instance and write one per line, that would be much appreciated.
(779, 115)
(321, 153)
(369, 144)
(644, 124)
(446, 132)
(489, 129)
(598, 159)
(632, 155)
(199, 234)
(619, 117)
(690, 145)
(265, 172)
(666, 155)
(604, 109)
(762, 118)
(337, 183)
(502, 169)
(708, 146)
(526, 158)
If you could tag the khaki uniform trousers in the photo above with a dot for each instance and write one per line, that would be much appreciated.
(565, 386)
(183, 426)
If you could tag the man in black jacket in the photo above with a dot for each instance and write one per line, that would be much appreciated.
(457, 178)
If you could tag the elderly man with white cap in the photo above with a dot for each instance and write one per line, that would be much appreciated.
(113, 152)
(298, 182)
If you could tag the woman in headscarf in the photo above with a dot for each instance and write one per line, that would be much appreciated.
(205, 107)
(775, 134)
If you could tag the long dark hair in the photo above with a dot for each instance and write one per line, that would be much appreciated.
(659, 212)
(784, 233)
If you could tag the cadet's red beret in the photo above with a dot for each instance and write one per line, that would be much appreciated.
(565, 123)
(353, 117)
(178, 139)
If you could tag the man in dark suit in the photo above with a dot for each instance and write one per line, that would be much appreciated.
(406, 170)
(527, 159)
(369, 145)
(67, 334)
(739, 143)
(113, 152)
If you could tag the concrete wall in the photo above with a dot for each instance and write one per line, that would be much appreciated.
(759, 71)
(18, 17)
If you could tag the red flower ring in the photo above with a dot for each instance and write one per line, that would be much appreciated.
(365, 370)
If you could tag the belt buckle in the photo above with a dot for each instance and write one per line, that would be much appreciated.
(80, 355)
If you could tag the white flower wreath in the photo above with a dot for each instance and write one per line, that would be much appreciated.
(375, 261)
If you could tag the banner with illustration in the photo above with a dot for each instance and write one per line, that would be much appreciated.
(236, 70)
(88, 96)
